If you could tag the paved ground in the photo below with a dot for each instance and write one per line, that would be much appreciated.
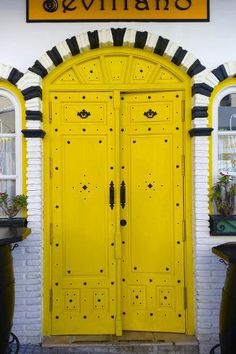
(147, 349)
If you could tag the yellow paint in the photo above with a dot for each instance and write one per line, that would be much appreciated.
(153, 260)
(119, 10)
(91, 253)
(16, 92)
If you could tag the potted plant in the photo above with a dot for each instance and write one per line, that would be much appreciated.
(223, 195)
(11, 207)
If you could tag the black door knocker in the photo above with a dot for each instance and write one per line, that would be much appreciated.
(84, 114)
(50, 5)
(150, 113)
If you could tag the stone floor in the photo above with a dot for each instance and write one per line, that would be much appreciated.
(129, 343)
(101, 349)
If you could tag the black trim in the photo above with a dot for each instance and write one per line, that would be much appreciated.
(203, 89)
(55, 56)
(220, 73)
(118, 35)
(161, 45)
(140, 39)
(179, 56)
(116, 20)
(32, 92)
(39, 69)
(199, 112)
(73, 45)
(14, 76)
(195, 68)
(200, 132)
(33, 133)
(93, 39)
(34, 115)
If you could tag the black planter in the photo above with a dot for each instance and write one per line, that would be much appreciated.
(223, 225)
(13, 222)
(7, 291)
(9, 233)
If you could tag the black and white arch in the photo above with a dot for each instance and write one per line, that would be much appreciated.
(31, 83)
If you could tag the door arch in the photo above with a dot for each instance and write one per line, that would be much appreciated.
(90, 93)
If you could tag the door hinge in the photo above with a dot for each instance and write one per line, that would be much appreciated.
(50, 112)
(184, 230)
(185, 298)
(183, 165)
(50, 166)
(183, 111)
(50, 300)
(51, 233)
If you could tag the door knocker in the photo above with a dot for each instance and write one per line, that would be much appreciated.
(84, 114)
(150, 113)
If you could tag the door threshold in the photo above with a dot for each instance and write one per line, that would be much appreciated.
(127, 339)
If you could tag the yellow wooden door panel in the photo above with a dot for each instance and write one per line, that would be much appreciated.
(84, 272)
(153, 260)
(85, 137)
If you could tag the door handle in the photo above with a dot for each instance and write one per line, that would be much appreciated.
(112, 195)
(122, 194)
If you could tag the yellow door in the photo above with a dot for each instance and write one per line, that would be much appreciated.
(83, 269)
(152, 212)
(116, 175)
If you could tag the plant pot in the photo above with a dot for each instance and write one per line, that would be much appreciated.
(7, 296)
(13, 222)
(223, 225)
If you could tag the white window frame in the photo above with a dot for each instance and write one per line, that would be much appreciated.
(18, 140)
(224, 92)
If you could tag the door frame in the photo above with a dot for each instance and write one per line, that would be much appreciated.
(185, 86)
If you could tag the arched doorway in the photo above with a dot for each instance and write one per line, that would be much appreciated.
(115, 194)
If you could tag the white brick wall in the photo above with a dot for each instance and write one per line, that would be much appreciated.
(28, 256)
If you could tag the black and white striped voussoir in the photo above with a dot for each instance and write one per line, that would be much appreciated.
(10, 74)
(32, 92)
(33, 133)
(14, 76)
(34, 115)
(221, 73)
(118, 37)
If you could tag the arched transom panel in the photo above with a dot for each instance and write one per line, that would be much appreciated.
(118, 67)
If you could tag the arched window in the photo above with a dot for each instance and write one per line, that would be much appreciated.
(224, 135)
(10, 144)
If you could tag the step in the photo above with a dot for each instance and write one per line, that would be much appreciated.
(130, 342)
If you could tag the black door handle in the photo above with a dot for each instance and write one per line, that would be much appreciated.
(112, 195)
(122, 194)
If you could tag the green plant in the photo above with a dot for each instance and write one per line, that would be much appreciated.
(12, 206)
(223, 195)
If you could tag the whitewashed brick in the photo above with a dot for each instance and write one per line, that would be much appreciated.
(105, 38)
(129, 37)
(151, 41)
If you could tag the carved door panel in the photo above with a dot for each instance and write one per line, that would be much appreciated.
(83, 275)
(152, 245)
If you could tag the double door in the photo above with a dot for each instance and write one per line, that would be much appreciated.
(117, 254)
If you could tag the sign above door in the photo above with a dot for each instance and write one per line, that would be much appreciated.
(117, 10)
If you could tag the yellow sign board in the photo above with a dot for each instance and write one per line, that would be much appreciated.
(117, 10)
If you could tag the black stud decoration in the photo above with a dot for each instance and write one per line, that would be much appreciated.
(150, 114)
